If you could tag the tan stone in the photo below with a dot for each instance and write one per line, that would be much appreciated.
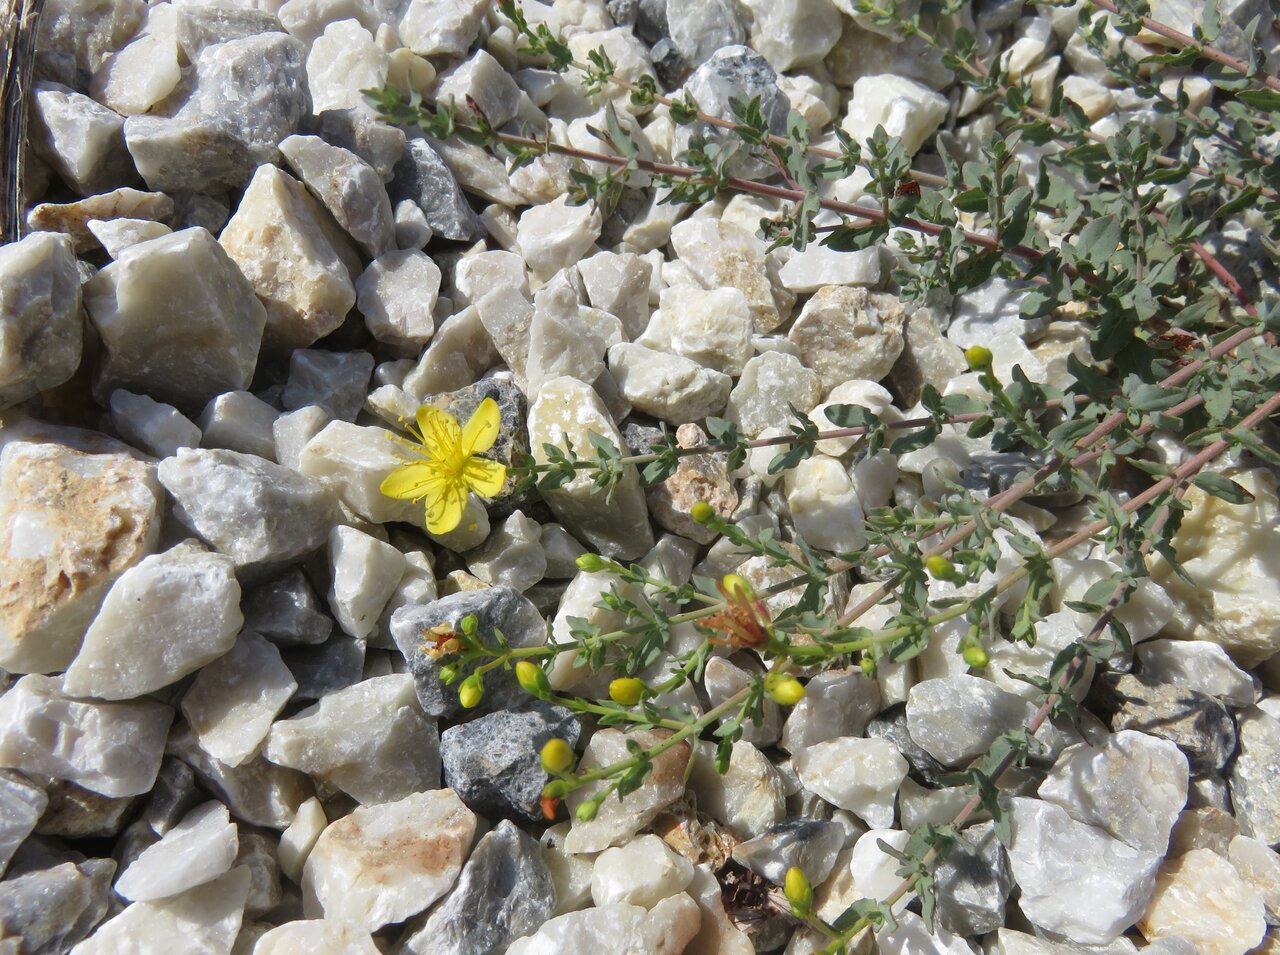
(845, 333)
(73, 218)
(70, 523)
(1201, 897)
(722, 254)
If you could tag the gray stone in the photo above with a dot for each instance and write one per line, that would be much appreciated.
(40, 319)
(258, 853)
(504, 892)
(82, 140)
(810, 845)
(334, 381)
(50, 910)
(492, 762)
(325, 668)
(972, 882)
(378, 144)
(285, 611)
(698, 29)
(421, 175)
(370, 740)
(239, 421)
(180, 349)
(1198, 665)
(257, 791)
(495, 608)
(1255, 777)
(167, 617)
(197, 26)
(111, 748)
(1076, 880)
(249, 94)
(85, 33)
(892, 725)
(258, 513)
(21, 804)
(397, 296)
(152, 426)
(1199, 725)
(512, 554)
(78, 813)
(348, 186)
(174, 795)
(734, 71)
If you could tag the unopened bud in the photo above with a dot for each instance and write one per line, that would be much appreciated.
(702, 513)
(471, 691)
(940, 567)
(587, 811)
(978, 357)
(867, 665)
(737, 587)
(591, 563)
(556, 755)
(532, 679)
(627, 691)
(448, 673)
(798, 891)
(975, 656)
(783, 689)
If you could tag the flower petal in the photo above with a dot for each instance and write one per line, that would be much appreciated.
(446, 501)
(485, 477)
(482, 428)
(410, 481)
(440, 433)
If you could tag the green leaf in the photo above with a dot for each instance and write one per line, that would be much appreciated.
(1222, 487)
(1268, 100)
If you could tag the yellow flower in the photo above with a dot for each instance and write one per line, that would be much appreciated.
(451, 466)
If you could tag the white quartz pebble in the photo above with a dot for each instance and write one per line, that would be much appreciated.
(643, 872)
(365, 572)
(197, 850)
(861, 775)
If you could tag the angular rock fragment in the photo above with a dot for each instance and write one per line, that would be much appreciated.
(316, 937)
(748, 797)
(861, 775)
(385, 863)
(503, 893)
(239, 421)
(511, 555)
(82, 140)
(667, 927)
(973, 882)
(643, 872)
(180, 349)
(51, 909)
(349, 187)
(110, 748)
(371, 740)
(343, 61)
(21, 804)
(40, 321)
(479, 82)
(673, 389)
(396, 295)
(73, 218)
(905, 108)
(1199, 725)
(557, 235)
(197, 850)
(724, 255)
(1200, 897)
(430, 27)
(423, 177)
(257, 513)
(845, 333)
(285, 611)
(810, 845)
(1255, 782)
(356, 459)
(88, 32)
(770, 384)
(711, 326)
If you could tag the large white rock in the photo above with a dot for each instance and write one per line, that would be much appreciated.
(135, 77)
(643, 872)
(1133, 786)
(562, 341)
(40, 324)
(771, 383)
(710, 326)
(430, 27)
(836, 703)
(239, 421)
(820, 265)
(617, 820)
(861, 775)
(1076, 880)
(233, 700)
(384, 863)
(356, 458)
(343, 61)
(180, 349)
(82, 140)
(204, 920)
(167, 617)
(792, 33)
(619, 929)
(348, 186)
(1200, 897)
(316, 937)
(197, 850)
(483, 81)
(556, 235)
(618, 283)
(109, 748)
(299, 263)
(1233, 561)
(71, 522)
(1199, 665)
(845, 333)
(371, 740)
(569, 411)
(365, 572)
(750, 797)
(825, 507)
(673, 389)
(397, 294)
(254, 511)
(725, 255)
(512, 554)
(905, 108)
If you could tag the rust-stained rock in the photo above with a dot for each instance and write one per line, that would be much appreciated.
(71, 521)
(699, 477)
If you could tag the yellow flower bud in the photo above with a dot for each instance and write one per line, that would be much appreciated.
(978, 357)
(783, 689)
(702, 512)
(868, 666)
(557, 755)
(736, 587)
(532, 679)
(591, 563)
(471, 691)
(940, 567)
(628, 691)
(798, 891)
(975, 656)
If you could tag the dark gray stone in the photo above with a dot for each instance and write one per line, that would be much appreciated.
(259, 850)
(503, 893)
(320, 670)
(991, 474)
(77, 813)
(623, 12)
(1255, 777)
(336, 381)
(1196, 723)
(285, 611)
(973, 882)
(668, 64)
(422, 176)
(136, 839)
(52, 909)
(174, 795)
(492, 762)
(892, 725)
(735, 71)
(811, 845)
(21, 803)
(496, 608)
(651, 20)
